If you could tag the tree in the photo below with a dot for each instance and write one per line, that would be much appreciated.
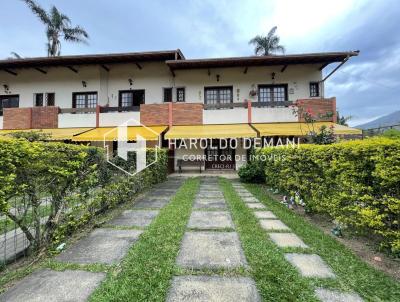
(267, 45)
(14, 56)
(58, 27)
(342, 120)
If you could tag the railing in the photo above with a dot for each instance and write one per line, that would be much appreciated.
(379, 130)
(77, 110)
(119, 109)
(244, 105)
(102, 109)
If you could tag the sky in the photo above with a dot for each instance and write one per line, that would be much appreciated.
(366, 87)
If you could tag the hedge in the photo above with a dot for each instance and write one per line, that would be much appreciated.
(356, 182)
(78, 180)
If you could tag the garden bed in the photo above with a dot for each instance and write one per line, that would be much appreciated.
(364, 247)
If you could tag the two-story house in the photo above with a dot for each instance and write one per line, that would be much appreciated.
(81, 98)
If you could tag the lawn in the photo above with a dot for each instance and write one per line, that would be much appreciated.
(277, 280)
(146, 271)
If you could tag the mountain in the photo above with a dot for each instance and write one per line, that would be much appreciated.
(387, 120)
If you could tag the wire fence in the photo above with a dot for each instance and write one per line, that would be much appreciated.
(379, 130)
(34, 218)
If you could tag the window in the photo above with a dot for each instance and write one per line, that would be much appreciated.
(84, 100)
(8, 101)
(272, 93)
(314, 89)
(180, 94)
(44, 99)
(129, 98)
(167, 95)
(218, 95)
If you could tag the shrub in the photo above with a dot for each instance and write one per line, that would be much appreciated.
(356, 182)
(252, 172)
(76, 178)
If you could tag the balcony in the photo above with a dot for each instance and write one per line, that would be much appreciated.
(245, 105)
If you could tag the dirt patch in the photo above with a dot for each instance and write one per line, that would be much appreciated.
(365, 248)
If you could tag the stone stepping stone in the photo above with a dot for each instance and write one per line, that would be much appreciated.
(287, 240)
(245, 195)
(310, 265)
(209, 190)
(265, 215)
(213, 194)
(210, 220)
(250, 199)
(213, 289)
(209, 203)
(151, 203)
(255, 205)
(273, 225)
(326, 295)
(47, 285)
(106, 246)
(138, 218)
(211, 250)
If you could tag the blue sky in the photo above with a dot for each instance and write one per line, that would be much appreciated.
(366, 87)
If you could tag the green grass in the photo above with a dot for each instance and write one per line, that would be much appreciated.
(352, 273)
(147, 269)
(276, 279)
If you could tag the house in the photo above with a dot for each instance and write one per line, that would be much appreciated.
(81, 98)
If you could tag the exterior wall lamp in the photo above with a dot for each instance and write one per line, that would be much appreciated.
(6, 88)
(273, 75)
(218, 77)
(130, 82)
(84, 84)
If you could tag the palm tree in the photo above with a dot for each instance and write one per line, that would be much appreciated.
(342, 120)
(58, 27)
(267, 45)
(14, 56)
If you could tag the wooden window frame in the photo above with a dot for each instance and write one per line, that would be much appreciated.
(218, 88)
(131, 91)
(317, 89)
(172, 94)
(272, 86)
(2, 97)
(75, 94)
(45, 102)
(184, 94)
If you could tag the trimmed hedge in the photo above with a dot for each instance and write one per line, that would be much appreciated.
(78, 180)
(356, 182)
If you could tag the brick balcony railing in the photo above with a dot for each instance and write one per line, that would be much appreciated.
(164, 113)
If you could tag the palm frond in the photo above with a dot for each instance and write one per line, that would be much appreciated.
(15, 55)
(271, 33)
(38, 11)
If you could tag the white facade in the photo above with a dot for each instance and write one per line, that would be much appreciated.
(153, 77)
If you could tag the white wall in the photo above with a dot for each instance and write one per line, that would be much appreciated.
(117, 118)
(62, 81)
(68, 120)
(271, 115)
(1, 122)
(225, 116)
(297, 77)
(153, 77)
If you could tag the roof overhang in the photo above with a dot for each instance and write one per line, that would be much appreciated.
(99, 59)
(313, 58)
